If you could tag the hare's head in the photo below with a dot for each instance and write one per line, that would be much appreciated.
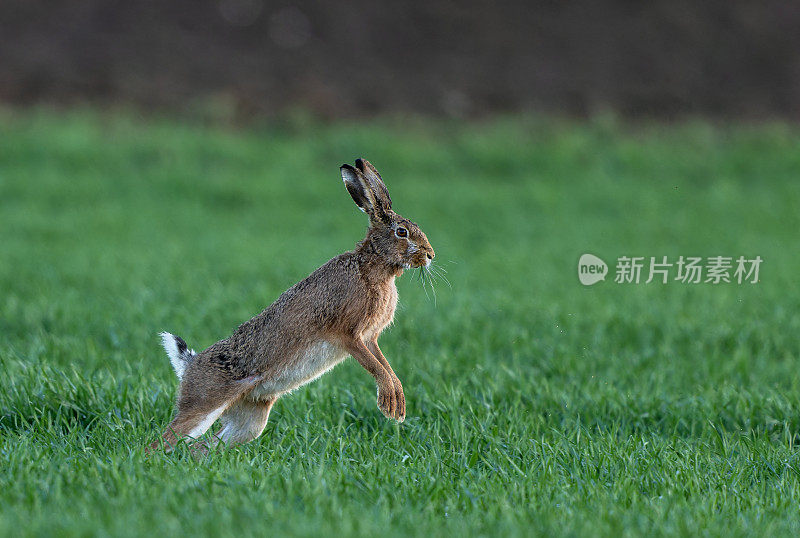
(398, 240)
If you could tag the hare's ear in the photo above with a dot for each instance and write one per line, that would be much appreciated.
(357, 187)
(375, 183)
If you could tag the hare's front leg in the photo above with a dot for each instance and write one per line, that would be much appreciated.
(398, 388)
(387, 398)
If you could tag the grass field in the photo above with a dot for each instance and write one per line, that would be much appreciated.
(535, 404)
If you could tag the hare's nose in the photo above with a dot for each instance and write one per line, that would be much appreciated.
(430, 255)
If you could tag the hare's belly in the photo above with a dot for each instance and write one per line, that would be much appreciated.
(306, 366)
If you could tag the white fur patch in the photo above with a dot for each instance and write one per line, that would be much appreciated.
(307, 366)
(206, 423)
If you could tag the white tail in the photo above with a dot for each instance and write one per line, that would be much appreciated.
(179, 354)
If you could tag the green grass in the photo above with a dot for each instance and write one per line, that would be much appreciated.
(535, 404)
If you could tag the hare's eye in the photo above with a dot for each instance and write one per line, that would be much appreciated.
(401, 232)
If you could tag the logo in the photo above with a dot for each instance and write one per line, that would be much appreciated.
(591, 269)
(662, 270)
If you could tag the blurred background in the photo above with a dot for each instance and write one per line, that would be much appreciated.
(243, 58)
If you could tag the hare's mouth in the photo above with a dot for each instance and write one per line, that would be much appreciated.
(419, 260)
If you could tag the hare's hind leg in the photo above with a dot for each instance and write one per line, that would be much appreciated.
(199, 406)
(244, 421)
(189, 423)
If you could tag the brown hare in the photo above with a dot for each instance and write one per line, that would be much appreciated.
(338, 310)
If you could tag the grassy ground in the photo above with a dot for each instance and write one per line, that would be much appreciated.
(535, 404)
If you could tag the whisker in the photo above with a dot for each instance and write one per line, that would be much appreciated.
(437, 271)
(422, 278)
(433, 288)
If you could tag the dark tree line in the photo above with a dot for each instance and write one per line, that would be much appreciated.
(459, 58)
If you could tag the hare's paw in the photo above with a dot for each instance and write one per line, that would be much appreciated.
(387, 401)
(200, 449)
(400, 415)
(153, 447)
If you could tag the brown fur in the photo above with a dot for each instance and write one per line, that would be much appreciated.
(340, 309)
